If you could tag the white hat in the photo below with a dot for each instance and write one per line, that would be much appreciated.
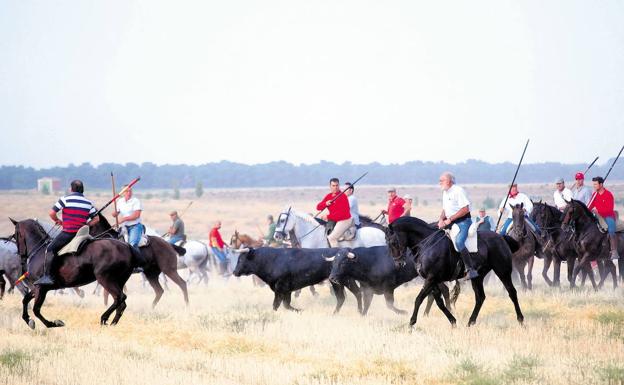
(407, 196)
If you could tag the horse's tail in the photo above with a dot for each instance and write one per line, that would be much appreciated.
(179, 250)
(513, 244)
(455, 292)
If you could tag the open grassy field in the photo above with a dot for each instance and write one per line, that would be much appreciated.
(230, 335)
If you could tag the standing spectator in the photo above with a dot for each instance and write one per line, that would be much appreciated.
(395, 205)
(218, 247)
(483, 221)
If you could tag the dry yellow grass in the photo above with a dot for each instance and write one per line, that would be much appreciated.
(230, 335)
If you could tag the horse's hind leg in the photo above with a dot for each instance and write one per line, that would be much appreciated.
(117, 293)
(556, 272)
(477, 287)
(430, 299)
(530, 263)
(155, 284)
(175, 277)
(120, 309)
(25, 301)
(513, 295)
(39, 299)
(2, 284)
(547, 262)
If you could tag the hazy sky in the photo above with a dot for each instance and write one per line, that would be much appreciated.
(256, 81)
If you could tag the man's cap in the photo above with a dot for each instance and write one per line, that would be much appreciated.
(482, 209)
(579, 176)
(559, 180)
(173, 213)
(407, 196)
(391, 189)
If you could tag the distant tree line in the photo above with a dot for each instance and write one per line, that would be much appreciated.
(282, 174)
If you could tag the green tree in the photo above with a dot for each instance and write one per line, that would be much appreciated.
(199, 189)
(489, 203)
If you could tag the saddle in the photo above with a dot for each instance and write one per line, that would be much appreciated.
(80, 240)
(602, 224)
(348, 235)
(471, 241)
(144, 241)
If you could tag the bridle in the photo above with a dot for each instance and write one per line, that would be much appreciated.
(282, 232)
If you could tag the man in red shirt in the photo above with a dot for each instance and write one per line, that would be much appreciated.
(602, 203)
(395, 206)
(218, 247)
(339, 211)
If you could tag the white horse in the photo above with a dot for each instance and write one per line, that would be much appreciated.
(311, 235)
(10, 266)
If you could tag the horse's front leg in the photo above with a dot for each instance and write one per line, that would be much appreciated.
(530, 272)
(547, 261)
(39, 299)
(424, 292)
(25, 301)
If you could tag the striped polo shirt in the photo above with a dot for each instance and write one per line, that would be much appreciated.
(76, 211)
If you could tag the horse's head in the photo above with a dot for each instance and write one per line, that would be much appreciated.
(235, 241)
(25, 231)
(285, 224)
(576, 212)
(517, 214)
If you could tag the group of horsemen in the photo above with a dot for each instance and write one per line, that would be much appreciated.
(343, 215)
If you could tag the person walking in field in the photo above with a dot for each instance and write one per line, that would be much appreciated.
(218, 247)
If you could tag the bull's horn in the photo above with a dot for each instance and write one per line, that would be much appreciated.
(243, 250)
(330, 259)
(350, 255)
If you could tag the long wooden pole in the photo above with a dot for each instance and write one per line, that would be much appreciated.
(500, 215)
(114, 202)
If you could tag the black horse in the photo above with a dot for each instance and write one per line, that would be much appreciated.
(437, 262)
(108, 261)
(591, 243)
(528, 246)
(557, 245)
(160, 256)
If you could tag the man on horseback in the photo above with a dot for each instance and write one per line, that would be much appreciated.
(76, 211)
(339, 212)
(456, 210)
(580, 192)
(395, 206)
(353, 204)
(129, 212)
(562, 194)
(515, 197)
(602, 203)
(176, 230)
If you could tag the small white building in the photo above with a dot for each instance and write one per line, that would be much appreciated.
(48, 184)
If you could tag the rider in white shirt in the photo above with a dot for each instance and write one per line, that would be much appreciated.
(515, 198)
(562, 195)
(353, 204)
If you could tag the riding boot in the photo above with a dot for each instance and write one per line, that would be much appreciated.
(465, 256)
(613, 241)
(46, 279)
(140, 260)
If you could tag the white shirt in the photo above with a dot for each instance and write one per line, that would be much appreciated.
(519, 198)
(562, 198)
(126, 208)
(582, 193)
(454, 199)
(354, 209)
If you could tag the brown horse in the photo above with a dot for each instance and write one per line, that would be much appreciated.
(160, 255)
(238, 241)
(108, 261)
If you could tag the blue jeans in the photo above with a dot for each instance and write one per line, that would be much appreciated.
(219, 254)
(175, 238)
(464, 226)
(134, 234)
(509, 221)
(610, 224)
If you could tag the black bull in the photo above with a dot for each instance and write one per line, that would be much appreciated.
(287, 270)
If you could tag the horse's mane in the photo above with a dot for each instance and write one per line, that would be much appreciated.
(585, 210)
(306, 217)
(430, 241)
(104, 221)
(552, 209)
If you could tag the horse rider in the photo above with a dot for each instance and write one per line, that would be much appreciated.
(353, 204)
(176, 230)
(602, 203)
(580, 192)
(407, 207)
(76, 211)
(456, 210)
(562, 194)
(218, 247)
(339, 212)
(395, 205)
(483, 221)
(128, 213)
(515, 198)
(268, 239)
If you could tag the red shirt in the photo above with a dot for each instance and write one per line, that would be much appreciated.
(215, 238)
(339, 210)
(603, 203)
(395, 208)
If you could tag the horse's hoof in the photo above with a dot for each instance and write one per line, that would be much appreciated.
(58, 323)
(31, 324)
(103, 322)
(471, 323)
